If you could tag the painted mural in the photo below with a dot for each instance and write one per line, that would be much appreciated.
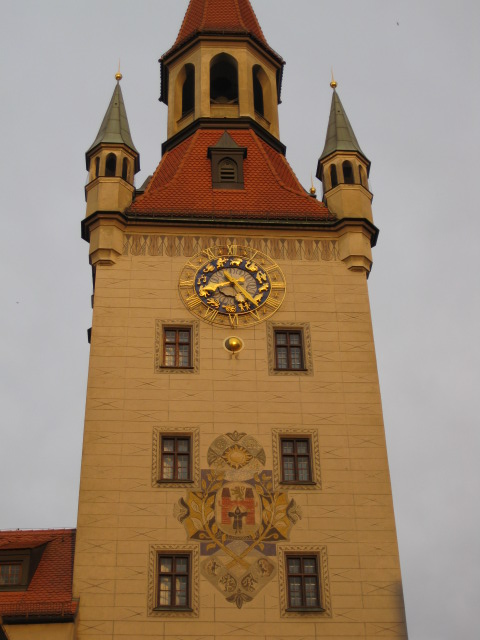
(238, 518)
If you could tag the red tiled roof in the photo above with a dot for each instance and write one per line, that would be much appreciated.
(49, 593)
(230, 16)
(182, 184)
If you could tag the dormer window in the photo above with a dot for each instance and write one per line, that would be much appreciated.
(227, 163)
(11, 573)
(17, 567)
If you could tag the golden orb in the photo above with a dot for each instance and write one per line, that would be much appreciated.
(313, 191)
(118, 76)
(233, 344)
(334, 84)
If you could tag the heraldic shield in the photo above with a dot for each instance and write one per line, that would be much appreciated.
(238, 518)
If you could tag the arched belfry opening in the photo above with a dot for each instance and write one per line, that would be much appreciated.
(223, 80)
(258, 100)
(188, 90)
(348, 172)
(111, 165)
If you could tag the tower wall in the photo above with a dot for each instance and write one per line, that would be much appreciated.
(127, 519)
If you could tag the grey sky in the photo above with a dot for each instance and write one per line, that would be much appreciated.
(408, 74)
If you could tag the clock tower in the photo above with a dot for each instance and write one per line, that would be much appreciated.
(234, 472)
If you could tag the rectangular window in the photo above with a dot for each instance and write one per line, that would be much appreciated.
(303, 582)
(10, 573)
(173, 581)
(176, 458)
(177, 348)
(289, 350)
(296, 460)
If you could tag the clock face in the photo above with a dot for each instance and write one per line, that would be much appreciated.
(232, 286)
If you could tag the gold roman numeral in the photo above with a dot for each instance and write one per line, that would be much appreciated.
(209, 253)
(278, 285)
(233, 317)
(272, 303)
(187, 283)
(192, 301)
(210, 315)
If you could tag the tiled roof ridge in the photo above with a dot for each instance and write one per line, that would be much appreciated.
(276, 174)
(152, 184)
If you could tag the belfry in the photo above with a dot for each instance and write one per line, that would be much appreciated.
(234, 474)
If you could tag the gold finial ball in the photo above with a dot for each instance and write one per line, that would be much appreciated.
(313, 191)
(233, 344)
(334, 84)
(118, 76)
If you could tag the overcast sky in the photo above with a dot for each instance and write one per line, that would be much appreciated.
(408, 74)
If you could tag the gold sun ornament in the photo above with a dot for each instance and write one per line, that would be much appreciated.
(236, 456)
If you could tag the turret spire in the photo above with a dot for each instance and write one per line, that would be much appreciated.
(340, 135)
(114, 128)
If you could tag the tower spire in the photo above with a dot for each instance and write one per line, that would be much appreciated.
(220, 16)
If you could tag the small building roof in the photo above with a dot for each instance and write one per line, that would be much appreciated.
(48, 595)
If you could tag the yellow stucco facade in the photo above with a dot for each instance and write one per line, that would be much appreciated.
(346, 515)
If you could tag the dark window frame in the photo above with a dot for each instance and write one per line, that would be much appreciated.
(303, 576)
(289, 348)
(296, 456)
(175, 454)
(173, 575)
(18, 578)
(177, 343)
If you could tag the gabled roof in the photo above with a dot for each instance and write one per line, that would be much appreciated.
(340, 135)
(182, 184)
(114, 128)
(49, 593)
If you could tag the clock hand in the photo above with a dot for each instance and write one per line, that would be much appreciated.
(240, 288)
(215, 286)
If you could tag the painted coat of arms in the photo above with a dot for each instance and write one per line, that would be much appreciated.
(238, 518)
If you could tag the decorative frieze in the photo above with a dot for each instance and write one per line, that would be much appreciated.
(319, 249)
